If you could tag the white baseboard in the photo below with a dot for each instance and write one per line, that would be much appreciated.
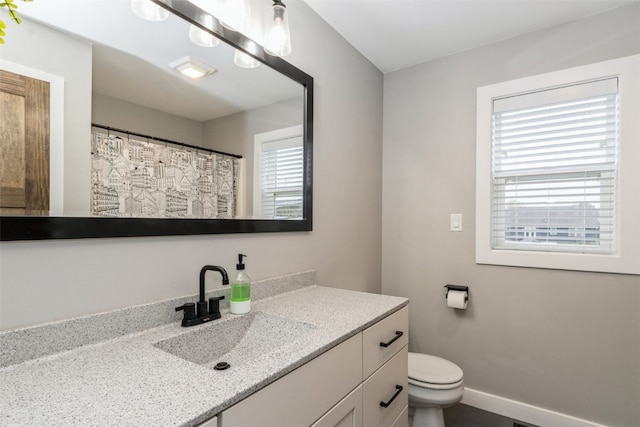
(522, 411)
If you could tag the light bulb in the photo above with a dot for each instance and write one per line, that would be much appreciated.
(146, 9)
(201, 37)
(236, 14)
(278, 38)
(244, 60)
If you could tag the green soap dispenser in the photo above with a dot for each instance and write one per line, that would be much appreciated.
(240, 290)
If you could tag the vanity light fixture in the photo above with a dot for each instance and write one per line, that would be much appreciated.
(278, 37)
(202, 38)
(235, 15)
(192, 68)
(146, 9)
(244, 60)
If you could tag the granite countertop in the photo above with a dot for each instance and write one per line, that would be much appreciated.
(126, 380)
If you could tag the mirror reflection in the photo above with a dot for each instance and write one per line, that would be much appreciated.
(132, 136)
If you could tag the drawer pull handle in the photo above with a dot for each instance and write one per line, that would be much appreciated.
(398, 390)
(387, 344)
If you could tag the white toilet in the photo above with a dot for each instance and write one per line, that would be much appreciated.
(434, 384)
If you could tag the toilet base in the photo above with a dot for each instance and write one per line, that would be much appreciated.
(428, 417)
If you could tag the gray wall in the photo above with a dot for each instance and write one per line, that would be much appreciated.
(114, 112)
(41, 281)
(565, 341)
(235, 134)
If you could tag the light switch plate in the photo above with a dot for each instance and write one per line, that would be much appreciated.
(455, 223)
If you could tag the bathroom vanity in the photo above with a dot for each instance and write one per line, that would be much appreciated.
(306, 355)
(347, 382)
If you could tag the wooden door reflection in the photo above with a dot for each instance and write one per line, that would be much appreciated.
(24, 145)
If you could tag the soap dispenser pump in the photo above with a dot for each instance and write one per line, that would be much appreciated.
(240, 290)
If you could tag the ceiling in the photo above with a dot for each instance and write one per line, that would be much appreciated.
(395, 34)
(392, 34)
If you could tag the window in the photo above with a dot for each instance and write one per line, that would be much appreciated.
(278, 174)
(554, 159)
(557, 166)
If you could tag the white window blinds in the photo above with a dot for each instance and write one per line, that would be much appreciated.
(554, 159)
(281, 178)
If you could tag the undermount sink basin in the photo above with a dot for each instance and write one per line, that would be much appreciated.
(235, 340)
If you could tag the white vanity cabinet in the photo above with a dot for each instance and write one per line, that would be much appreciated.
(344, 386)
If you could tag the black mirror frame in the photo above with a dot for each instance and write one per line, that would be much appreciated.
(39, 228)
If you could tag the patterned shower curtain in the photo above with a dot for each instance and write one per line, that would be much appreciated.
(147, 179)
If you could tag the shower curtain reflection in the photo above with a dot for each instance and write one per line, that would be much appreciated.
(131, 177)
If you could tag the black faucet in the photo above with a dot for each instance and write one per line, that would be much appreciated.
(203, 313)
(202, 304)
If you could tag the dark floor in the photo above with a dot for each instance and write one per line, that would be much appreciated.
(467, 416)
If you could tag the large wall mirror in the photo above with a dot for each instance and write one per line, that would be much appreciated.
(135, 148)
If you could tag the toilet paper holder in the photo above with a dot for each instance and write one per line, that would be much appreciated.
(457, 288)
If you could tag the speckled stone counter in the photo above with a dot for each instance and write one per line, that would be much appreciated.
(125, 379)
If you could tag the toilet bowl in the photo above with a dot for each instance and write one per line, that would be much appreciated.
(434, 384)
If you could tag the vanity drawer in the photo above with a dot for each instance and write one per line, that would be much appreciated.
(374, 353)
(388, 385)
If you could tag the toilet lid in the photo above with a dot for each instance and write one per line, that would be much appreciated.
(434, 370)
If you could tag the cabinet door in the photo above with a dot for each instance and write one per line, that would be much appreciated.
(388, 385)
(384, 339)
(212, 422)
(403, 419)
(302, 396)
(347, 413)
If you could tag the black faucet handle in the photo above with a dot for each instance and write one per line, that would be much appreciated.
(189, 309)
(201, 308)
(214, 306)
